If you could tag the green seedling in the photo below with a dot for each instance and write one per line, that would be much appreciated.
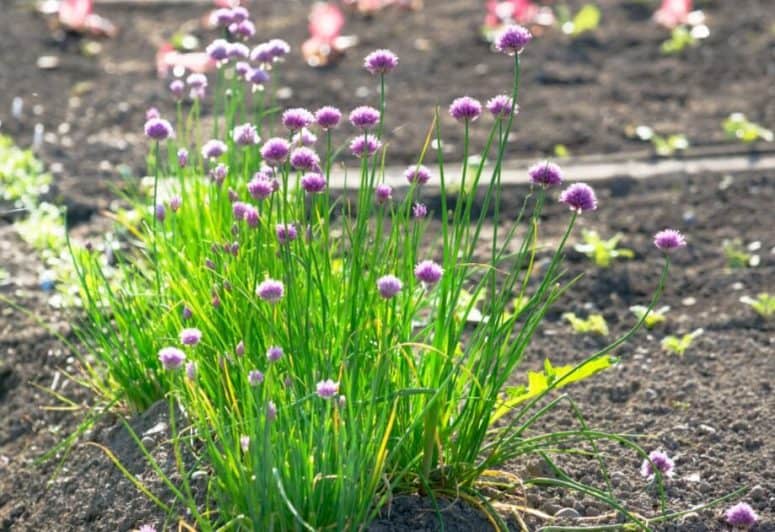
(654, 318)
(763, 305)
(593, 324)
(664, 145)
(601, 251)
(586, 19)
(737, 256)
(679, 345)
(738, 127)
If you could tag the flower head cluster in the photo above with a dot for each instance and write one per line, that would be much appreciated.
(328, 117)
(214, 148)
(742, 515)
(304, 158)
(465, 109)
(171, 357)
(158, 129)
(513, 39)
(663, 463)
(190, 336)
(255, 377)
(380, 62)
(669, 239)
(304, 137)
(365, 145)
(419, 174)
(327, 388)
(177, 87)
(500, 106)
(364, 117)
(545, 174)
(285, 233)
(218, 50)
(270, 290)
(259, 187)
(275, 151)
(389, 286)
(579, 197)
(245, 135)
(297, 118)
(313, 183)
(274, 353)
(428, 272)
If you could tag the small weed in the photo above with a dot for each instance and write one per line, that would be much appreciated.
(601, 251)
(654, 318)
(679, 345)
(593, 324)
(664, 145)
(737, 255)
(586, 19)
(763, 305)
(738, 127)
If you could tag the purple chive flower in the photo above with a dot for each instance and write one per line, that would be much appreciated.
(240, 349)
(270, 290)
(328, 117)
(742, 515)
(219, 173)
(262, 53)
(158, 129)
(365, 145)
(513, 39)
(233, 195)
(275, 151)
(221, 17)
(186, 313)
(419, 174)
(212, 149)
(209, 264)
(245, 29)
(419, 211)
(389, 286)
(500, 106)
(380, 62)
(242, 69)
(327, 388)
(545, 174)
(669, 239)
(274, 353)
(428, 272)
(251, 216)
(175, 203)
(238, 209)
(146, 528)
(245, 135)
(271, 411)
(286, 233)
(215, 301)
(190, 336)
(182, 157)
(305, 159)
(218, 50)
(239, 13)
(278, 48)
(244, 443)
(661, 461)
(160, 212)
(197, 81)
(237, 50)
(177, 87)
(465, 109)
(297, 118)
(257, 77)
(191, 370)
(171, 357)
(313, 183)
(255, 377)
(304, 137)
(383, 193)
(579, 197)
(152, 112)
(260, 188)
(364, 117)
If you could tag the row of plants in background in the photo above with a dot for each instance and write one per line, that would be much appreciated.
(319, 346)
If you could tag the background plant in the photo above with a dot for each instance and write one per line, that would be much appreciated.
(601, 251)
(679, 344)
(763, 304)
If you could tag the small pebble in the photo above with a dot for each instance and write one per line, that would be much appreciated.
(48, 62)
(567, 513)
(757, 493)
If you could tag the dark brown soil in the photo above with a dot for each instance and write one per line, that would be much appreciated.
(710, 409)
(582, 93)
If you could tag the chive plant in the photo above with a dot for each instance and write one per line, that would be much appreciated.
(316, 344)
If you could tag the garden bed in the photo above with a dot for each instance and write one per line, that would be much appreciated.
(709, 409)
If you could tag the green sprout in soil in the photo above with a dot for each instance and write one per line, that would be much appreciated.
(650, 319)
(679, 344)
(738, 127)
(664, 145)
(763, 305)
(319, 345)
(593, 324)
(683, 37)
(586, 19)
(602, 252)
(22, 177)
(737, 256)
